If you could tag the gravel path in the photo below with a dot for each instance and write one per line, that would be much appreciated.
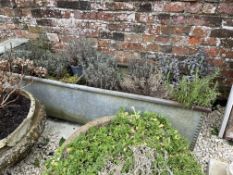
(208, 145)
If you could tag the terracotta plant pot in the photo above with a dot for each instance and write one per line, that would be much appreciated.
(16, 145)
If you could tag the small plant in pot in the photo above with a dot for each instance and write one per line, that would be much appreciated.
(77, 53)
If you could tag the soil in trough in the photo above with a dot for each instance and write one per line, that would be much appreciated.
(12, 115)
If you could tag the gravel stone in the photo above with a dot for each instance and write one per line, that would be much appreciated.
(209, 145)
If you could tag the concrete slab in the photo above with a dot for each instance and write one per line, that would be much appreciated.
(13, 42)
(217, 167)
(61, 128)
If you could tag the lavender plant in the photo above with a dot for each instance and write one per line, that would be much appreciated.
(101, 71)
(144, 77)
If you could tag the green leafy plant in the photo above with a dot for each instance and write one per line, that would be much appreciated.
(197, 91)
(143, 143)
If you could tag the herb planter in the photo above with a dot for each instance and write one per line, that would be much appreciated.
(76, 70)
(16, 145)
(81, 104)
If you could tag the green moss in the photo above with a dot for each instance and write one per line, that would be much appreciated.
(89, 153)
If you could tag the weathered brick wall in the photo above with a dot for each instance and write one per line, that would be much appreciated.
(131, 29)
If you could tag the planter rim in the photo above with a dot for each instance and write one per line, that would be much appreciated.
(115, 93)
(13, 137)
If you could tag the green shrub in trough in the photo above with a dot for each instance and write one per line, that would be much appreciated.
(138, 143)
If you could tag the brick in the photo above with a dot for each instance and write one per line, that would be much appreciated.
(103, 43)
(199, 31)
(139, 28)
(80, 5)
(114, 36)
(34, 29)
(212, 52)
(105, 35)
(133, 38)
(227, 43)
(43, 13)
(119, 27)
(147, 38)
(162, 39)
(123, 57)
(194, 41)
(193, 7)
(178, 20)
(210, 41)
(85, 15)
(221, 33)
(133, 46)
(165, 48)
(152, 47)
(182, 31)
(176, 7)
(227, 22)
(179, 41)
(164, 18)
(209, 8)
(106, 16)
(183, 51)
(209, 21)
(129, 17)
(142, 17)
(44, 22)
(224, 53)
(144, 7)
(119, 6)
(212, 1)
(5, 3)
(189, 0)
(165, 30)
(212, 21)
(158, 6)
(118, 36)
(225, 8)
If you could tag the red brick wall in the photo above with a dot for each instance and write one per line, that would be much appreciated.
(131, 29)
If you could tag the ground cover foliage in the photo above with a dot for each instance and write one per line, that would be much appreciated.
(133, 143)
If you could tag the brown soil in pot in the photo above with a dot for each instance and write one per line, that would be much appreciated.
(12, 115)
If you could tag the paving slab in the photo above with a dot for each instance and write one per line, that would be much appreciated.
(217, 167)
(11, 43)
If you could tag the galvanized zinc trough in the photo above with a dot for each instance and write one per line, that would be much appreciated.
(82, 103)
